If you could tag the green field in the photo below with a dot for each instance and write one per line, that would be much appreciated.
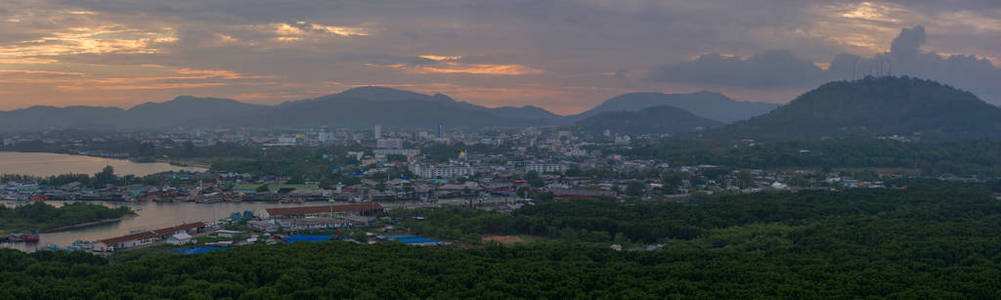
(275, 187)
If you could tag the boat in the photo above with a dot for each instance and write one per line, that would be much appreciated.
(31, 238)
(15, 238)
(80, 245)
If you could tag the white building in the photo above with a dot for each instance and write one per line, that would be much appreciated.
(409, 153)
(389, 144)
(442, 171)
(181, 238)
(545, 168)
(286, 140)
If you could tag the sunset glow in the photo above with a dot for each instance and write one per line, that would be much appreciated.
(61, 54)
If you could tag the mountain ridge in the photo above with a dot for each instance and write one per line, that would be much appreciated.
(365, 106)
(706, 104)
(872, 106)
(650, 120)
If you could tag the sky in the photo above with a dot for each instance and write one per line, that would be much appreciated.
(564, 56)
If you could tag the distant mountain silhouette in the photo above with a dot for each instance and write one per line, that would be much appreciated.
(367, 106)
(876, 107)
(355, 108)
(528, 114)
(710, 105)
(37, 118)
(651, 120)
(873, 106)
(188, 111)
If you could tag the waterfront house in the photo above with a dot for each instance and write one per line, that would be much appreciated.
(134, 240)
(321, 211)
(228, 233)
(189, 228)
(180, 238)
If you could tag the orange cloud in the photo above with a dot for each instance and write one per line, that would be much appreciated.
(156, 86)
(43, 72)
(338, 30)
(27, 61)
(451, 67)
(441, 58)
(301, 31)
(102, 39)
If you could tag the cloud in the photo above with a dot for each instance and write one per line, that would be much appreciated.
(772, 69)
(546, 47)
(908, 43)
(302, 30)
(782, 70)
(440, 64)
(103, 39)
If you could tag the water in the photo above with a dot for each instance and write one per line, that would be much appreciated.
(48, 164)
(149, 216)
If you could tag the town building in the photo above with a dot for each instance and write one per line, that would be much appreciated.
(451, 170)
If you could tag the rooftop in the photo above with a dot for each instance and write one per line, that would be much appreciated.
(131, 237)
(305, 210)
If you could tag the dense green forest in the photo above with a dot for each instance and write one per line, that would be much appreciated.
(928, 241)
(41, 216)
(973, 157)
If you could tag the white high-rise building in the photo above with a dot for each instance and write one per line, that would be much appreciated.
(389, 144)
(378, 132)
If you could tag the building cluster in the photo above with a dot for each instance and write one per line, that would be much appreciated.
(414, 165)
(273, 223)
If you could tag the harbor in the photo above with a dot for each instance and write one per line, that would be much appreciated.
(148, 216)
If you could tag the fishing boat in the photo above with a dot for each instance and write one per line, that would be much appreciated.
(80, 245)
(31, 237)
(15, 238)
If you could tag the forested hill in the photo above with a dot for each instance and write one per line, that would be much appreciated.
(706, 104)
(876, 107)
(651, 120)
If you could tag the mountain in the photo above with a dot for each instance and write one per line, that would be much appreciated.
(367, 106)
(38, 118)
(189, 111)
(650, 120)
(876, 107)
(710, 105)
(355, 108)
(527, 113)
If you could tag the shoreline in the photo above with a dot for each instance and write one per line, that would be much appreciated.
(83, 225)
(175, 163)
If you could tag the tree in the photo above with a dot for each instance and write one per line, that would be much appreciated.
(744, 179)
(263, 188)
(635, 188)
(105, 177)
(524, 192)
(533, 178)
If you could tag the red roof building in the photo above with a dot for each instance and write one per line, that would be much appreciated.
(189, 227)
(287, 212)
